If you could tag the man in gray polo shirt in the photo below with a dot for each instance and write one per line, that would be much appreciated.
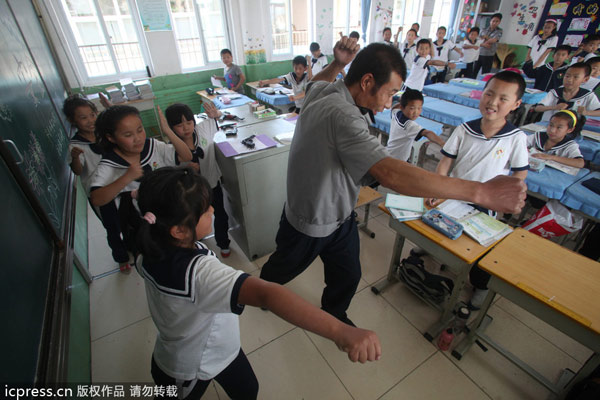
(491, 36)
(333, 154)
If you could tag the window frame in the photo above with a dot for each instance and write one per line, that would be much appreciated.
(406, 26)
(347, 27)
(290, 53)
(75, 54)
(208, 65)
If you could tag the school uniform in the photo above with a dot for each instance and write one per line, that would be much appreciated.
(592, 84)
(538, 46)
(193, 301)
(204, 155)
(418, 73)
(469, 57)
(232, 77)
(298, 86)
(441, 53)
(546, 77)
(89, 159)
(583, 54)
(583, 98)
(403, 132)
(480, 159)
(565, 148)
(120, 216)
(319, 63)
(408, 54)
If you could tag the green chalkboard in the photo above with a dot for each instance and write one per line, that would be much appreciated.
(29, 88)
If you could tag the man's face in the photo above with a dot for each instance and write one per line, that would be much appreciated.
(376, 99)
(494, 22)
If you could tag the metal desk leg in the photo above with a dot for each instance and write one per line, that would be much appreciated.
(479, 325)
(363, 225)
(394, 263)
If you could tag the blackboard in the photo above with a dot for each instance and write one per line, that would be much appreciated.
(576, 18)
(29, 114)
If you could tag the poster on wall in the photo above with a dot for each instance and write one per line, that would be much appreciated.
(523, 20)
(578, 19)
(154, 15)
(573, 40)
(559, 9)
(579, 24)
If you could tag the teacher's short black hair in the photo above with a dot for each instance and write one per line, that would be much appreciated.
(378, 59)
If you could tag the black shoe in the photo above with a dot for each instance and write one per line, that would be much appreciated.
(417, 252)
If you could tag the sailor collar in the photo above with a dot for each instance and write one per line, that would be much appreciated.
(473, 128)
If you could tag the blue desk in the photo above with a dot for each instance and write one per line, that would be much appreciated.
(444, 91)
(383, 121)
(581, 198)
(468, 83)
(528, 98)
(234, 102)
(551, 182)
(447, 112)
(273, 99)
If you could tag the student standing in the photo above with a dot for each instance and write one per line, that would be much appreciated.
(233, 75)
(420, 68)
(491, 37)
(333, 155)
(317, 60)
(409, 48)
(387, 36)
(550, 75)
(441, 51)
(297, 79)
(540, 46)
(195, 300)
(470, 48)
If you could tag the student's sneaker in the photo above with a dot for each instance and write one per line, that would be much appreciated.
(225, 252)
(125, 268)
(477, 300)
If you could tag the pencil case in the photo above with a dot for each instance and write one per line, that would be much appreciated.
(442, 223)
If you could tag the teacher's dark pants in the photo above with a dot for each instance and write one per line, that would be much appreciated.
(340, 255)
(485, 63)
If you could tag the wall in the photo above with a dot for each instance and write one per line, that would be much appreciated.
(520, 19)
(379, 18)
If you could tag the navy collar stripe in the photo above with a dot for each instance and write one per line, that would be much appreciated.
(474, 129)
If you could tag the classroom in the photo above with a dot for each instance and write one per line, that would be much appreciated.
(300, 199)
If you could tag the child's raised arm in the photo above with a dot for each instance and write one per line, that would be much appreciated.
(181, 148)
(361, 345)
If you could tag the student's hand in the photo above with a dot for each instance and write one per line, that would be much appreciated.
(360, 344)
(341, 35)
(261, 84)
(581, 110)
(211, 110)
(164, 125)
(134, 172)
(104, 100)
(542, 156)
(345, 50)
(291, 97)
(561, 106)
(75, 152)
(195, 166)
(308, 59)
(503, 193)
(433, 202)
(134, 194)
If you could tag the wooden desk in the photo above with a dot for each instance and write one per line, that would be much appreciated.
(556, 285)
(459, 255)
(253, 86)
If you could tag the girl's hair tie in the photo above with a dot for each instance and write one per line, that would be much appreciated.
(150, 218)
(571, 114)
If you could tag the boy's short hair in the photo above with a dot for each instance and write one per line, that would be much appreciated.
(417, 24)
(474, 29)
(226, 51)
(442, 27)
(423, 41)
(377, 59)
(587, 70)
(299, 60)
(590, 38)
(592, 61)
(354, 34)
(497, 15)
(410, 95)
(387, 28)
(563, 47)
(314, 46)
(510, 77)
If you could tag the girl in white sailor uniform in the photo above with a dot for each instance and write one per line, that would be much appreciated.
(540, 46)
(129, 154)
(195, 300)
(558, 142)
(441, 51)
(408, 48)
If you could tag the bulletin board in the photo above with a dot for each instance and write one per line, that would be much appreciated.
(576, 19)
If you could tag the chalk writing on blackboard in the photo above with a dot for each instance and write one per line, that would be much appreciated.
(5, 113)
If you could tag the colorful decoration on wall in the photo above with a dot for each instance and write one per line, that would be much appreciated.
(254, 49)
(524, 15)
(580, 18)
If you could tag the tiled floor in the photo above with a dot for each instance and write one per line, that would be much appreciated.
(291, 363)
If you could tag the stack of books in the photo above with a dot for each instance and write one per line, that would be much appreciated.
(129, 89)
(266, 113)
(481, 227)
(144, 88)
(405, 208)
(95, 98)
(115, 95)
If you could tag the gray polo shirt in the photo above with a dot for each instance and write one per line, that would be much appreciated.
(495, 34)
(330, 156)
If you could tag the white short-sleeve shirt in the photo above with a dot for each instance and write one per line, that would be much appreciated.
(471, 55)
(403, 132)
(298, 85)
(480, 159)
(538, 46)
(319, 63)
(408, 53)
(583, 98)
(418, 73)
(565, 148)
(204, 152)
(442, 52)
(193, 301)
(156, 154)
(591, 84)
(89, 159)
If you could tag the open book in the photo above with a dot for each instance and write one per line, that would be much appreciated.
(404, 208)
(479, 226)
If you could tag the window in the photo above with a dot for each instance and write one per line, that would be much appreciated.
(289, 26)
(441, 17)
(346, 18)
(406, 13)
(200, 30)
(106, 37)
